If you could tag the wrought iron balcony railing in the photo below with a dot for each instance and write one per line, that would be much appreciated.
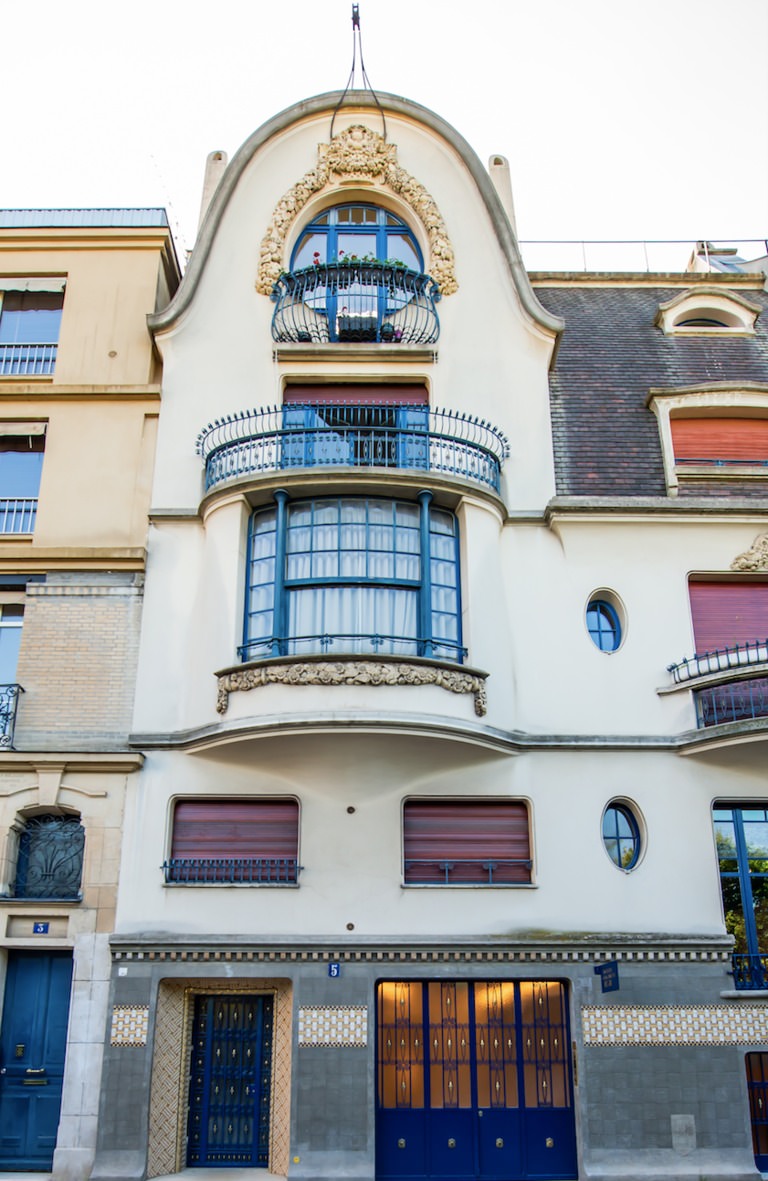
(729, 691)
(27, 360)
(737, 656)
(9, 700)
(464, 871)
(356, 644)
(232, 870)
(750, 971)
(371, 436)
(355, 302)
(17, 514)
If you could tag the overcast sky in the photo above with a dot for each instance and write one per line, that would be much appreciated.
(644, 120)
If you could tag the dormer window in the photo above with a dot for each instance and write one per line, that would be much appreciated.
(356, 276)
(707, 310)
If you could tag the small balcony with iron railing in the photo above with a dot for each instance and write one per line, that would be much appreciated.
(27, 360)
(232, 871)
(750, 972)
(9, 701)
(17, 514)
(355, 302)
(729, 685)
(367, 436)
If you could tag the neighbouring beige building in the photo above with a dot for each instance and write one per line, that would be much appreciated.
(79, 399)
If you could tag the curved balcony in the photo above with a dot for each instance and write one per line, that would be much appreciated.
(729, 684)
(292, 437)
(355, 302)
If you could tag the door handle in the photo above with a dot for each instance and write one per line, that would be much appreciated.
(29, 1070)
(499, 1142)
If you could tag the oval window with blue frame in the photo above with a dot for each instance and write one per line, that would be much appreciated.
(604, 625)
(621, 836)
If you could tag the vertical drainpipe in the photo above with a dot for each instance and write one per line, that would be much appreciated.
(425, 592)
(280, 623)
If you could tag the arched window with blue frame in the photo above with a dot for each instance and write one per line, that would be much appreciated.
(353, 575)
(356, 274)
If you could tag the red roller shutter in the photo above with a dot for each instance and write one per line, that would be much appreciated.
(453, 841)
(355, 395)
(723, 439)
(727, 613)
(204, 829)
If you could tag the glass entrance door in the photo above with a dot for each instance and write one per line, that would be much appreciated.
(474, 1081)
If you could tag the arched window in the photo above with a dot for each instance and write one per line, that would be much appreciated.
(353, 575)
(355, 232)
(50, 857)
(356, 275)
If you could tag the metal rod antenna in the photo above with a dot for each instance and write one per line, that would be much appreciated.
(357, 45)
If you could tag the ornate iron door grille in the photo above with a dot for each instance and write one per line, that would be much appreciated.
(474, 1081)
(230, 1082)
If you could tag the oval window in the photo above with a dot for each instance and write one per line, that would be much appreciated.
(603, 625)
(621, 836)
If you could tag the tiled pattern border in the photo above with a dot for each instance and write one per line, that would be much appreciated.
(418, 955)
(333, 1025)
(170, 1069)
(675, 1025)
(130, 1025)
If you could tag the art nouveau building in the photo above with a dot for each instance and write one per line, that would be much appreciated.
(79, 395)
(451, 693)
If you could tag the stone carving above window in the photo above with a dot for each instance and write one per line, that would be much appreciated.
(350, 672)
(755, 558)
(357, 154)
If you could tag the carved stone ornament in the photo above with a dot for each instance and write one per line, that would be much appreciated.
(357, 154)
(352, 672)
(755, 558)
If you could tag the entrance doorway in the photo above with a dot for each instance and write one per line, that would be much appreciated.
(32, 1047)
(230, 1081)
(474, 1081)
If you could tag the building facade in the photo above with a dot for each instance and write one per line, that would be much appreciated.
(79, 394)
(444, 815)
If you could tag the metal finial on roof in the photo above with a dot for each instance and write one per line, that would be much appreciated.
(357, 47)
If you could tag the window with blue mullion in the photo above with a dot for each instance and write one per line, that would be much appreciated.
(367, 435)
(353, 576)
(349, 234)
(741, 834)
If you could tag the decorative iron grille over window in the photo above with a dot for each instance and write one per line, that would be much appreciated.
(50, 862)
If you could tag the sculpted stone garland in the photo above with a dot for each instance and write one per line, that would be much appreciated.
(353, 672)
(755, 558)
(357, 153)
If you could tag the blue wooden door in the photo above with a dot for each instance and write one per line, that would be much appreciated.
(230, 1082)
(474, 1082)
(32, 1047)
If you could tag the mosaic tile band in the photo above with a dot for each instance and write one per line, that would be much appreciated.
(333, 1025)
(675, 1025)
(130, 1025)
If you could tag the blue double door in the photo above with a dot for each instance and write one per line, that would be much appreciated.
(32, 1048)
(474, 1082)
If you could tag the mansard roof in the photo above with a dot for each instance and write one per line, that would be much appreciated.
(611, 354)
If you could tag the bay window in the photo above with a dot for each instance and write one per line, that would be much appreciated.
(345, 575)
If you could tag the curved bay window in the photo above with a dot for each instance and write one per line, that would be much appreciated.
(50, 858)
(356, 274)
(353, 575)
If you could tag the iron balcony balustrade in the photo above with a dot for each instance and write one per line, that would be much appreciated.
(749, 971)
(249, 871)
(468, 871)
(9, 700)
(364, 436)
(352, 644)
(18, 514)
(732, 693)
(27, 360)
(364, 301)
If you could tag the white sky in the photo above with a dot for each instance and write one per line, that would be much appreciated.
(620, 120)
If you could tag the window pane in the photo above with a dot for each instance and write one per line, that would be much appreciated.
(311, 249)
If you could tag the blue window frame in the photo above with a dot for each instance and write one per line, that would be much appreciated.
(29, 332)
(355, 303)
(353, 575)
(621, 836)
(603, 625)
(741, 835)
